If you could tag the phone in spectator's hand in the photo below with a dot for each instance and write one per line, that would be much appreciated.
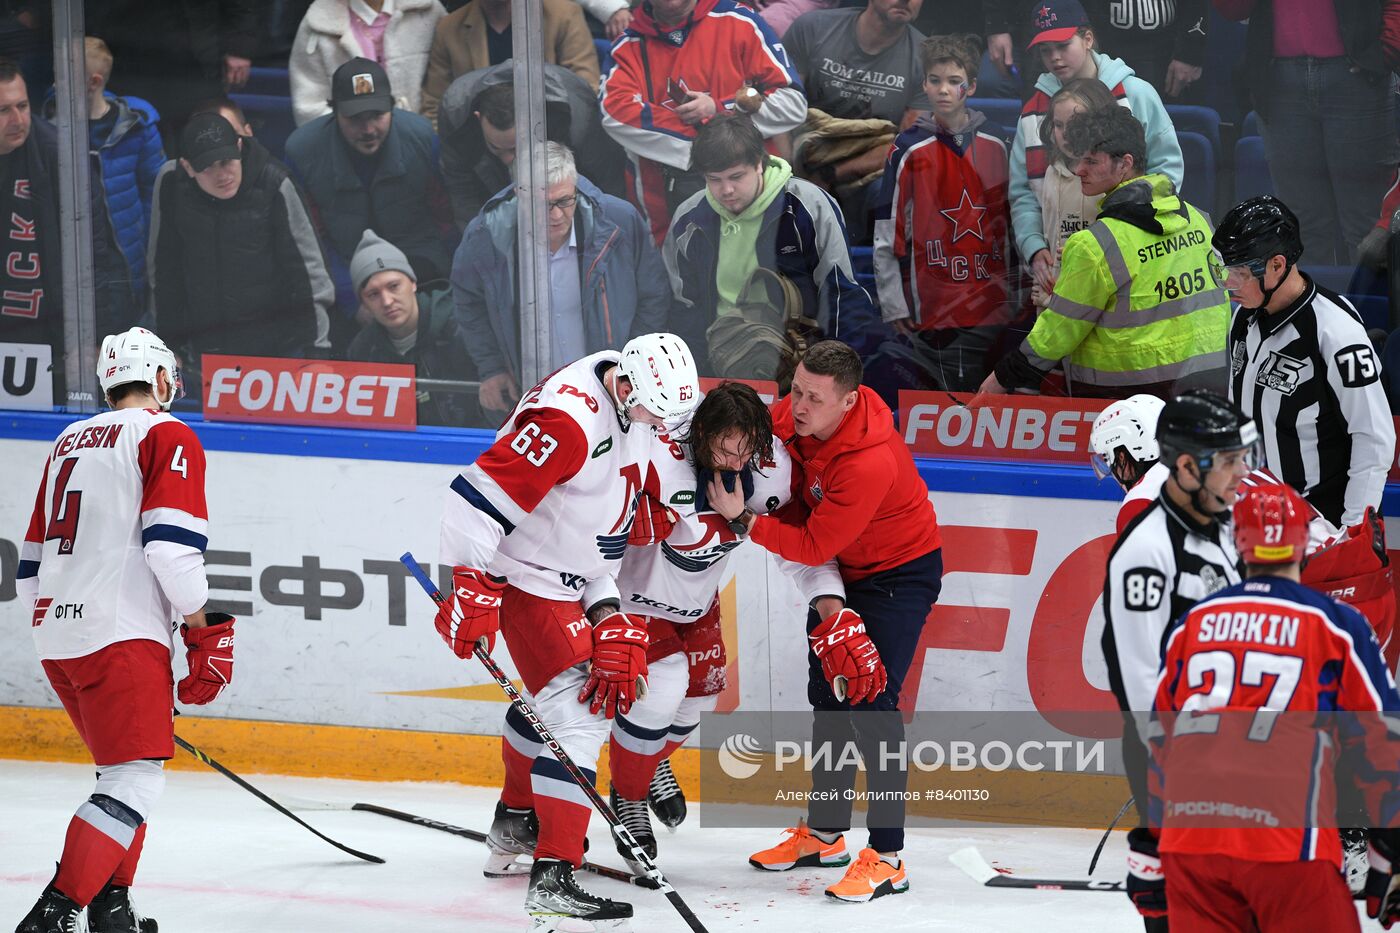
(677, 92)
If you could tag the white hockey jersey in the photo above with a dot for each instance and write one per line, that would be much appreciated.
(678, 578)
(115, 547)
(550, 504)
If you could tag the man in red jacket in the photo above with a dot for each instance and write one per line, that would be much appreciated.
(862, 502)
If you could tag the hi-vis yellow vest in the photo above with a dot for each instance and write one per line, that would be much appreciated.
(1131, 306)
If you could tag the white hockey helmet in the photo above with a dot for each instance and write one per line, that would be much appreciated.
(663, 376)
(1131, 424)
(136, 356)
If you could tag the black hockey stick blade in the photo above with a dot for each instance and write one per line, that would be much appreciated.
(272, 803)
(604, 871)
(976, 867)
(1098, 849)
(639, 855)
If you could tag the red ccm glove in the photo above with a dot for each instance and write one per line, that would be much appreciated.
(618, 677)
(472, 612)
(848, 657)
(209, 654)
(652, 524)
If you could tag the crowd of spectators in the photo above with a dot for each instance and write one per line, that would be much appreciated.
(993, 194)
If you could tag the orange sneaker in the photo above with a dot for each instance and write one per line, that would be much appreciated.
(802, 849)
(870, 877)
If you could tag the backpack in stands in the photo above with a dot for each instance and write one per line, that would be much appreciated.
(767, 333)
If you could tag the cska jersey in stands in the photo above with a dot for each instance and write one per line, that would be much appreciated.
(678, 579)
(1270, 644)
(116, 541)
(549, 505)
(941, 222)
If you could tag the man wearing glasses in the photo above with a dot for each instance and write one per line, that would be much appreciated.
(607, 282)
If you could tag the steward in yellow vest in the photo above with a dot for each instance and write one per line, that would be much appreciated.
(1136, 307)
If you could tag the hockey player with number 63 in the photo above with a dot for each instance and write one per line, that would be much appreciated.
(114, 553)
(534, 530)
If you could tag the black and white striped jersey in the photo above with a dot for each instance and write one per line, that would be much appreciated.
(1163, 564)
(1311, 381)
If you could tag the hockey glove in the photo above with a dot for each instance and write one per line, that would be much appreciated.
(653, 522)
(617, 678)
(209, 655)
(473, 612)
(1147, 883)
(849, 660)
(1382, 893)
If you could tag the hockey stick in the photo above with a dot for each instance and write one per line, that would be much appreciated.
(972, 862)
(272, 803)
(604, 871)
(622, 833)
(1098, 850)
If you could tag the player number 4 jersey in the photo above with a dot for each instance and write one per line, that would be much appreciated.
(115, 545)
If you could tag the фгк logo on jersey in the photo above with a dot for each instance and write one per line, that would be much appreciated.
(41, 606)
(1282, 373)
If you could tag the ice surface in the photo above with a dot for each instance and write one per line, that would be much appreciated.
(218, 860)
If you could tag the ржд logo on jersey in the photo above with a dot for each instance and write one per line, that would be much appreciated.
(1282, 373)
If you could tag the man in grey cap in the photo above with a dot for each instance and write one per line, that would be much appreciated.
(412, 325)
(368, 162)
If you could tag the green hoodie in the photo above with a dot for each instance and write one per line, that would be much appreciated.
(738, 239)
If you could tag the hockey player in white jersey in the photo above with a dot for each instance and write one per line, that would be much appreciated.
(544, 511)
(1123, 444)
(113, 555)
(674, 583)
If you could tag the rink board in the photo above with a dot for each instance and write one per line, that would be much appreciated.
(337, 637)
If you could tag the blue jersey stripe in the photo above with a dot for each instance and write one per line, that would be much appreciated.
(462, 487)
(26, 569)
(175, 534)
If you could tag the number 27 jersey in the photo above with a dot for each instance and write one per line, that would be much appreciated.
(115, 544)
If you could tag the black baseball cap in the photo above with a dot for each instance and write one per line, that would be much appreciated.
(206, 139)
(360, 86)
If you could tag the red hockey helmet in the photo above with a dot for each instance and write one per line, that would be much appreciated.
(1271, 524)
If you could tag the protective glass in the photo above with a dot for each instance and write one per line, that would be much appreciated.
(1235, 276)
(1103, 467)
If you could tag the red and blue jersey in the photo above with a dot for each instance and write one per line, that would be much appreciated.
(1229, 777)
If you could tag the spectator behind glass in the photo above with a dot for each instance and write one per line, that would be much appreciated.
(1064, 207)
(1163, 40)
(855, 65)
(941, 240)
(396, 34)
(1137, 307)
(230, 111)
(754, 223)
(31, 276)
(1066, 43)
(1316, 74)
(234, 264)
(607, 283)
(174, 57)
(415, 326)
(124, 133)
(680, 63)
(477, 128)
(370, 162)
(479, 35)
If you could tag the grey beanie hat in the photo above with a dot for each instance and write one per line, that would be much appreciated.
(376, 254)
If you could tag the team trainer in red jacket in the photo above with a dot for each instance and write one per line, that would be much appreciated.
(862, 502)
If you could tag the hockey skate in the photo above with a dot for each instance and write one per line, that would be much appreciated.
(111, 911)
(513, 833)
(665, 796)
(53, 913)
(556, 902)
(633, 814)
